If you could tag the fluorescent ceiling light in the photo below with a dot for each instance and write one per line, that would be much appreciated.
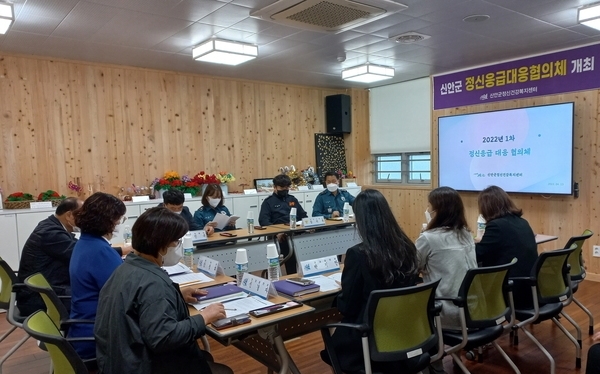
(367, 73)
(224, 52)
(6, 17)
(589, 16)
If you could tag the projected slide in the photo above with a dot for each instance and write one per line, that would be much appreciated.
(521, 150)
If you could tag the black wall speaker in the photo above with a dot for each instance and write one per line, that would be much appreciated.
(337, 110)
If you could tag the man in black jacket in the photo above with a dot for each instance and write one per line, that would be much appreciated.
(173, 200)
(48, 251)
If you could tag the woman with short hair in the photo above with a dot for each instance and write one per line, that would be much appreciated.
(143, 324)
(212, 204)
(92, 262)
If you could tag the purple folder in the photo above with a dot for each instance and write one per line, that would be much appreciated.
(218, 293)
(293, 289)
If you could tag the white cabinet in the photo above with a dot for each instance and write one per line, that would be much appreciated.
(26, 223)
(9, 250)
(244, 204)
(309, 201)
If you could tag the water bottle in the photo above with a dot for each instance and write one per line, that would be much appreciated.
(241, 264)
(250, 222)
(188, 250)
(127, 234)
(273, 262)
(292, 218)
(480, 226)
(346, 209)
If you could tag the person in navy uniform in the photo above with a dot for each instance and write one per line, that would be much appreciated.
(212, 204)
(330, 203)
(275, 209)
(173, 200)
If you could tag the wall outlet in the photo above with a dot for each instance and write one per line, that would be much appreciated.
(596, 252)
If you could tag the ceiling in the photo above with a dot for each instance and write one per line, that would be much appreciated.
(160, 34)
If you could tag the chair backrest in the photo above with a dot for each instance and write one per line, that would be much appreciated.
(64, 358)
(485, 291)
(54, 306)
(551, 276)
(402, 322)
(577, 270)
(8, 278)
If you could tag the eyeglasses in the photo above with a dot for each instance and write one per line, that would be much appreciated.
(179, 242)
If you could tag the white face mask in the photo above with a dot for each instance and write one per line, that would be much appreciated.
(427, 216)
(213, 202)
(173, 256)
(332, 187)
(178, 212)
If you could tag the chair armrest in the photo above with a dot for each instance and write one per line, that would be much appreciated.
(355, 326)
(437, 308)
(69, 322)
(523, 281)
(458, 301)
(65, 297)
(83, 339)
(19, 286)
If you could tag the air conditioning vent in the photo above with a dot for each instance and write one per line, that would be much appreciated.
(410, 37)
(327, 15)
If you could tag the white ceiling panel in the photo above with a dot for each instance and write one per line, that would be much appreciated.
(160, 34)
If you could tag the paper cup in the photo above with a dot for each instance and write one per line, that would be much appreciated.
(272, 251)
(250, 215)
(293, 211)
(188, 242)
(241, 257)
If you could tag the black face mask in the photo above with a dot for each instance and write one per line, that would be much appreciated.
(282, 193)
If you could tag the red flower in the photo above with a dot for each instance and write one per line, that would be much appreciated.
(176, 183)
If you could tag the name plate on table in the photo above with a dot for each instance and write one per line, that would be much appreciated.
(258, 286)
(319, 266)
(198, 236)
(136, 199)
(351, 184)
(303, 188)
(209, 266)
(318, 187)
(40, 205)
(313, 221)
(250, 192)
(187, 195)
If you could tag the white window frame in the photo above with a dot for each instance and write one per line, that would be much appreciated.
(405, 169)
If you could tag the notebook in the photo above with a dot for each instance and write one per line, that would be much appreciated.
(293, 289)
(220, 293)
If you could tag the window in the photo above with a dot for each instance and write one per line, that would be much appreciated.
(411, 168)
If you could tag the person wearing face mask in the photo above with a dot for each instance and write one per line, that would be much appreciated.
(212, 204)
(48, 251)
(173, 200)
(330, 203)
(143, 324)
(92, 262)
(275, 209)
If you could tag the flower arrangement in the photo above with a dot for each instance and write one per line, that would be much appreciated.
(225, 177)
(345, 174)
(19, 196)
(203, 178)
(50, 195)
(172, 179)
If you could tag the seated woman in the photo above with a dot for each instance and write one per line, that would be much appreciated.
(506, 236)
(212, 204)
(143, 324)
(92, 262)
(385, 259)
(446, 249)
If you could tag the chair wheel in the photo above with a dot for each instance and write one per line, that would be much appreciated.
(470, 355)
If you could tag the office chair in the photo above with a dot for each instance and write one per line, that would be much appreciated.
(577, 272)
(550, 288)
(8, 296)
(64, 358)
(398, 330)
(486, 311)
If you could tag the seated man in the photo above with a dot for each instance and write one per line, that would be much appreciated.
(173, 200)
(275, 209)
(330, 203)
(48, 251)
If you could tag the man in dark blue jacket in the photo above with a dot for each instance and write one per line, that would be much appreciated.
(173, 200)
(48, 251)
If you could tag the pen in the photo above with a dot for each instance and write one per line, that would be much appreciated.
(230, 309)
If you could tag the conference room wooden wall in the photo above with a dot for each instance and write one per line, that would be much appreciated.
(109, 126)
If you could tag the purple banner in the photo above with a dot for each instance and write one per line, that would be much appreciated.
(554, 73)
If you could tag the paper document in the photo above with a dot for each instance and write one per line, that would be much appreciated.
(177, 269)
(327, 284)
(222, 220)
(191, 277)
(244, 305)
(336, 276)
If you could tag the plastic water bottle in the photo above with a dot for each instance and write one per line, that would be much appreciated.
(127, 235)
(241, 264)
(480, 226)
(273, 262)
(346, 210)
(250, 222)
(188, 250)
(292, 218)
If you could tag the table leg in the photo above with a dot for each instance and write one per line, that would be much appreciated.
(272, 335)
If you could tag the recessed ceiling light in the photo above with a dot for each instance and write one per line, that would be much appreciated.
(224, 52)
(589, 16)
(476, 18)
(367, 73)
(410, 37)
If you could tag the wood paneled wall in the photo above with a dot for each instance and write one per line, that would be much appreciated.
(109, 126)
